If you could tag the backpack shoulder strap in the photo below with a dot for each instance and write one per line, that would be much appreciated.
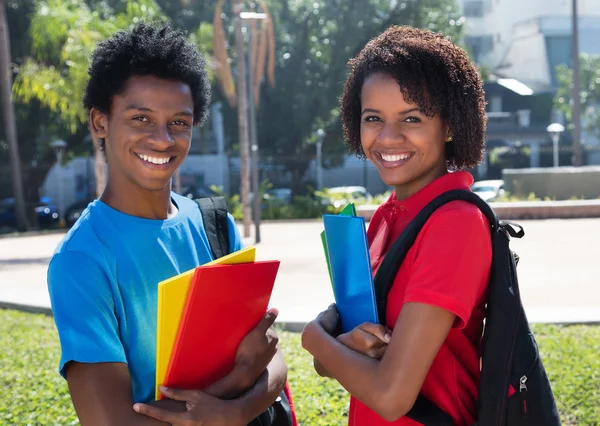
(424, 411)
(216, 224)
(393, 259)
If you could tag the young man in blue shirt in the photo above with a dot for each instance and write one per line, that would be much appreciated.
(148, 88)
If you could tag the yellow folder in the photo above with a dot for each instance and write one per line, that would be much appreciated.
(172, 295)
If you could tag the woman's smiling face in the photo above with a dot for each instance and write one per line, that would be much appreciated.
(406, 146)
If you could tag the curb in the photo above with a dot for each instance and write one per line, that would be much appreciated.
(26, 308)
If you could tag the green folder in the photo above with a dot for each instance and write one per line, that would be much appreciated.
(349, 210)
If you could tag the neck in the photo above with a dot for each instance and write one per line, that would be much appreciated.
(138, 202)
(409, 189)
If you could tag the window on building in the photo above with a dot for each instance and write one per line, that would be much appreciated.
(558, 50)
(496, 103)
(480, 46)
(474, 8)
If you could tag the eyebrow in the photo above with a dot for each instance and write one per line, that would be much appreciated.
(400, 113)
(186, 113)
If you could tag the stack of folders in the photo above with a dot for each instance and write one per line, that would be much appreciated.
(347, 253)
(203, 315)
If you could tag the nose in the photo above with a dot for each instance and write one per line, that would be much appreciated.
(390, 134)
(161, 138)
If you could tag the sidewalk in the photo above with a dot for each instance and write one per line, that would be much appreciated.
(559, 272)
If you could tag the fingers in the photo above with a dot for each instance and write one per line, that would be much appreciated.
(159, 414)
(267, 320)
(179, 394)
(377, 330)
(377, 353)
(362, 341)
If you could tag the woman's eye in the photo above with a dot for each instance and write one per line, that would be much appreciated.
(372, 118)
(413, 120)
(180, 123)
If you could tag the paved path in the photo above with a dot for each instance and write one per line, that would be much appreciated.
(559, 271)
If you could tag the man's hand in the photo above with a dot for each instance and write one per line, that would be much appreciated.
(368, 339)
(202, 410)
(256, 350)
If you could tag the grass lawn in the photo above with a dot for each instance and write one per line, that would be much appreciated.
(34, 394)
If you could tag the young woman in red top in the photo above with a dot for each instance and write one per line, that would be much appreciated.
(413, 105)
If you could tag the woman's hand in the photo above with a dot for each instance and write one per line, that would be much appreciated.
(368, 339)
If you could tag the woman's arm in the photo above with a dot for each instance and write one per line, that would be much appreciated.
(388, 386)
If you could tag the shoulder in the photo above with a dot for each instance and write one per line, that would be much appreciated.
(81, 251)
(84, 235)
(460, 215)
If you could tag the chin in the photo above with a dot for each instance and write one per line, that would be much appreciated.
(396, 180)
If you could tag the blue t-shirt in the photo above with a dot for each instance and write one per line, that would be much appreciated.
(103, 281)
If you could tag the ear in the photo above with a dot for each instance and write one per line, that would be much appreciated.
(448, 133)
(98, 123)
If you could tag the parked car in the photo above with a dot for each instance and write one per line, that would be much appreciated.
(488, 190)
(279, 195)
(45, 211)
(192, 192)
(339, 196)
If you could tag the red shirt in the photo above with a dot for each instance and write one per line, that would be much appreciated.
(448, 266)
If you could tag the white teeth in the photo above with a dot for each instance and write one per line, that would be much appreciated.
(395, 157)
(155, 160)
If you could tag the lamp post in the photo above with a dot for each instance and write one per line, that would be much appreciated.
(245, 16)
(555, 129)
(576, 93)
(320, 137)
(59, 146)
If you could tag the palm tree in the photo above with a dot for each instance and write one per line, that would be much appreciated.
(265, 52)
(9, 120)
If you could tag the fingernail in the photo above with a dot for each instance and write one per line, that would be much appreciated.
(163, 388)
(387, 337)
(136, 408)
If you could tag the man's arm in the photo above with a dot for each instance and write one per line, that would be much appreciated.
(266, 389)
(101, 395)
(202, 407)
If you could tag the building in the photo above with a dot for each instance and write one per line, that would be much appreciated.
(521, 43)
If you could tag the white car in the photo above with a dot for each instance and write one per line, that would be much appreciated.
(341, 195)
(488, 190)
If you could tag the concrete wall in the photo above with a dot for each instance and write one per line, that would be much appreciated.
(559, 183)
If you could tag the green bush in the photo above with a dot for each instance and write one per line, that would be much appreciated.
(34, 394)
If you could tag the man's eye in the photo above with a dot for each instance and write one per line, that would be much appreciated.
(141, 118)
(180, 123)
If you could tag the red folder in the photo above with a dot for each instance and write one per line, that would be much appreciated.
(225, 302)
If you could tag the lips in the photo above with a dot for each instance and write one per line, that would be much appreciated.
(392, 160)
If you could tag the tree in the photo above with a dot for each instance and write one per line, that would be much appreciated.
(314, 40)
(64, 33)
(261, 50)
(590, 93)
(9, 120)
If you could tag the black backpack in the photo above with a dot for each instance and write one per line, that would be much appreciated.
(510, 356)
(216, 225)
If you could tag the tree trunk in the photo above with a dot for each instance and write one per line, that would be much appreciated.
(242, 117)
(9, 121)
(99, 166)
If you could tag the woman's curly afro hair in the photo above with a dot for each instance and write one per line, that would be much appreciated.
(146, 49)
(433, 73)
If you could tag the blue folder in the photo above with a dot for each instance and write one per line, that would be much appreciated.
(348, 250)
